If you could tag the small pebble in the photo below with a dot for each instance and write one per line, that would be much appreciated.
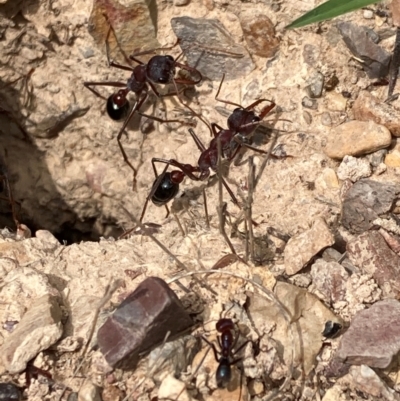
(368, 14)
(353, 169)
(181, 2)
(309, 103)
(356, 138)
(326, 119)
(315, 86)
(9, 392)
(393, 159)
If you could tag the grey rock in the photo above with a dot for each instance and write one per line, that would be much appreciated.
(315, 85)
(371, 254)
(365, 201)
(38, 329)
(375, 59)
(9, 392)
(353, 168)
(309, 103)
(208, 46)
(377, 157)
(89, 392)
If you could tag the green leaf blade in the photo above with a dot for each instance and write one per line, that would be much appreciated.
(328, 10)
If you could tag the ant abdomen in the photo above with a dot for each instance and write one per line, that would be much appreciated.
(223, 374)
(161, 69)
(166, 190)
(116, 109)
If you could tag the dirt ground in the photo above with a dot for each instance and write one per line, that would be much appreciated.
(70, 179)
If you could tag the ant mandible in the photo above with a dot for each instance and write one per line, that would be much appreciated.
(225, 357)
(159, 69)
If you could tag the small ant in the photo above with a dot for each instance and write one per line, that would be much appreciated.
(241, 124)
(158, 70)
(225, 357)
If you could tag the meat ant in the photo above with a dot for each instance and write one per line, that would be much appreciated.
(158, 70)
(241, 124)
(225, 357)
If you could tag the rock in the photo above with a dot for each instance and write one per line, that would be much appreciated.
(376, 158)
(392, 159)
(38, 329)
(131, 21)
(209, 46)
(375, 59)
(368, 108)
(368, 14)
(172, 388)
(302, 248)
(364, 202)
(315, 85)
(373, 337)
(370, 252)
(180, 3)
(329, 281)
(9, 392)
(89, 392)
(395, 10)
(352, 168)
(172, 358)
(259, 33)
(368, 382)
(308, 318)
(309, 103)
(356, 138)
(141, 322)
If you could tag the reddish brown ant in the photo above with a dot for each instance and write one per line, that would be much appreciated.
(225, 357)
(241, 124)
(158, 70)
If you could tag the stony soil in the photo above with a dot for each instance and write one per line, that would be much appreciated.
(70, 179)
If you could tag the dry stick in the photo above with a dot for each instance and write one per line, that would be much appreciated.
(222, 205)
(169, 253)
(270, 296)
(206, 208)
(109, 291)
(249, 205)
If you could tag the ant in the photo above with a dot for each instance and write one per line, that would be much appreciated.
(225, 357)
(241, 124)
(158, 70)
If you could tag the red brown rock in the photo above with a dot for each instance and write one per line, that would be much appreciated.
(141, 322)
(370, 253)
(368, 108)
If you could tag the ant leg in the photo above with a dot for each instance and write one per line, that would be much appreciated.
(257, 102)
(241, 143)
(197, 141)
(135, 107)
(190, 69)
(213, 348)
(214, 128)
(188, 107)
(222, 100)
(187, 169)
(134, 55)
(89, 84)
(241, 346)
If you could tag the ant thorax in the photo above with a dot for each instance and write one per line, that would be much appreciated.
(137, 81)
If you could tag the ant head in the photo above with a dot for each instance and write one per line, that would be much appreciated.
(243, 121)
(167, 188)
(161, 69)
(224, 324)
(118, 106)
